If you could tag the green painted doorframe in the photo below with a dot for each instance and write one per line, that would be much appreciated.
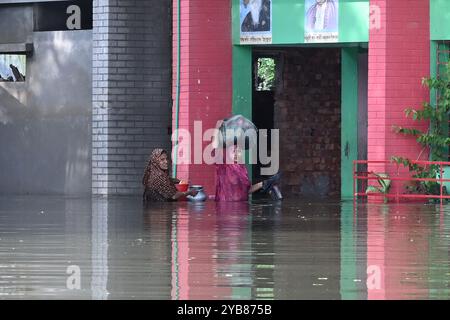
(242, 81)
(349, 118)
(242, 87)
(242, 104)
(348, 287)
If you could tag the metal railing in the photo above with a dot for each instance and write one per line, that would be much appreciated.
(359, 189)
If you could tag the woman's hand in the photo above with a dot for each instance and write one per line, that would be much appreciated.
(178, 195)
(192, 193)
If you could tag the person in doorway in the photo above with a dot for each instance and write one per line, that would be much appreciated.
(232, 181)
(322, 15)
(157, 182)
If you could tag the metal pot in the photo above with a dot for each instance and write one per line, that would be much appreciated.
(201, 195)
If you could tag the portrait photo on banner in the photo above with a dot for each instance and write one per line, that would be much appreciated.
(321, 21)
(255, 21)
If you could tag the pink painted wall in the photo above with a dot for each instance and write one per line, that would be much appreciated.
(206, 74)
(399, 57)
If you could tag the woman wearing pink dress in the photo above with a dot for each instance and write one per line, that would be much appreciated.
(232, 181)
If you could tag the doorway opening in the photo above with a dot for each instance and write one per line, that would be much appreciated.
(302, 101)
(265, 67)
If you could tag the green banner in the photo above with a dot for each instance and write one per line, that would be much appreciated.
(287, 22)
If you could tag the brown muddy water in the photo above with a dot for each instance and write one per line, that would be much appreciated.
(68, 248)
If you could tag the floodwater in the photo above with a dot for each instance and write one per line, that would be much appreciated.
(115, 248)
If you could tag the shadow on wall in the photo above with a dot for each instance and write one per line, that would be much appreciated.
(12, 101)
(45, 122)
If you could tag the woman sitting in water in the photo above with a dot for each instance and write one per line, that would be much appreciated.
(232, 182)
(158, 185)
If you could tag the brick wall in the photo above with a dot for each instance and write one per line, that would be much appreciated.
(307, 112)
(399, 56)
(131, 90)
(205, 73)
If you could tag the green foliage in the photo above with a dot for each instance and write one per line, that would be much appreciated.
(266, 73)
(436, 139)
(385, 185)
(421, 171)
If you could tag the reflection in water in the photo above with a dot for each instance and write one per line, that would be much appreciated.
(39, 239)
(211, 256)
(99, 250)
(408, 253)
(261, 250)
(406, 246)
(353, 255)
(234, 249)
(306, 243)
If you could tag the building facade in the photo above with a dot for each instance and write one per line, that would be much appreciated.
(98, 96)
(340, 88)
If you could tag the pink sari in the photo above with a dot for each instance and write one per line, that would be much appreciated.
(232, 182)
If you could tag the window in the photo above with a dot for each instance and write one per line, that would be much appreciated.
(442, 57)
(265, 75)
(12, 67)
(443, 51)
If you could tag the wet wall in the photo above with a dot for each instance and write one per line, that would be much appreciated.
(19, 16)
(45, 122)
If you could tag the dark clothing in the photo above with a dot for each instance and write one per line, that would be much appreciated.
(158, 185)
(154, 194)
(264, 19)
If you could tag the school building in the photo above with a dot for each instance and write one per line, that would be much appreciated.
(96, 99)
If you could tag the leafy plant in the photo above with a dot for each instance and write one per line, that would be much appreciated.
(385, 185)
(420, 171)
(435, 139)
(266, 73)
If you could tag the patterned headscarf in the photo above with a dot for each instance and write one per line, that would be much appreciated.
(156, 181)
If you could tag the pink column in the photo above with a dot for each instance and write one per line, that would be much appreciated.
(399, 57)
(206, 74)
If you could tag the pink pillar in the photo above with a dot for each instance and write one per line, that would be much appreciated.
(205, 74)
(399, 57)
